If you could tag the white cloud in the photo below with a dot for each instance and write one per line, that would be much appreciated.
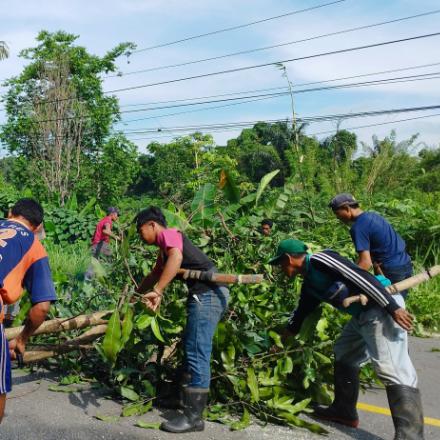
(102, 24)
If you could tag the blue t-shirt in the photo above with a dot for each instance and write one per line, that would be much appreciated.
(23, 265)
(371, 232)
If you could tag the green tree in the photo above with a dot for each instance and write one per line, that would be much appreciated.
(58, 116)
(177, 168)
(117, 168)
(338, 151)
(4, 50)
(428, 174)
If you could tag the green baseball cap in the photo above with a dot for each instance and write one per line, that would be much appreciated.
(289, 246)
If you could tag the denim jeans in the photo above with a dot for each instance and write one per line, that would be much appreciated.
(375, 335)
(398, 273)
(204, 312)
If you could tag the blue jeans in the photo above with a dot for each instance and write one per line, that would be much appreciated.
(204, 312)
(398, 273)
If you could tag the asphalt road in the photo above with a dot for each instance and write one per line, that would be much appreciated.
(35, 413)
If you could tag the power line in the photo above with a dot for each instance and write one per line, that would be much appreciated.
(274, 63)
(219, 31)
(313, 134)
(257, 66)
(305, 119)
(253, 98)
(243, 52)
(376, 125)
(248, 99)
(420, 66)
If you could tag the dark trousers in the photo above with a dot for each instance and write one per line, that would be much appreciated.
(398, 273)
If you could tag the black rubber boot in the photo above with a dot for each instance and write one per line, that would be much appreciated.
(170, 394)
(195, 400)
(343, 409)
(406, 410)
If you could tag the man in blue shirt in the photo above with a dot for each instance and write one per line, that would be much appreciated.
(376, 331)
(375, 240)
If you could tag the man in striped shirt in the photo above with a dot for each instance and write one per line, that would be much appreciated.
(376, 332)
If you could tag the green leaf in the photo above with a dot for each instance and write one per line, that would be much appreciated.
(72, 203)
(63, 389)
(263, 183)
(156, 329)
(127, 325)
(296, 421)
(253, 384)
(129, 394)
(229, 187)
(228, 358)
(243, 423)
(143, 321)
(104, 418)
(202, 205)
(300, 406)
(112, 344)
(136, 409)
(176, 220)
(276, 339)
(146, 425)
(88, 207)
(286, 365)
(309, 325)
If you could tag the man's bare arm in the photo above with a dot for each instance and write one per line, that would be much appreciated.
(364, 260)
(169, 272)
(37, 315)
(148, 282)
(107, 231)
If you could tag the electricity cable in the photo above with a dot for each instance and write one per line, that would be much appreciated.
(232, 28)
(274, 46)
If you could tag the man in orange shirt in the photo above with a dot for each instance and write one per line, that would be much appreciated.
(24, 264)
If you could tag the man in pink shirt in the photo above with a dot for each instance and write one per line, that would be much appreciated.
(206, 305)
(101, 237)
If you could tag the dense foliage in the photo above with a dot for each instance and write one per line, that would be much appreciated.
(218, 195)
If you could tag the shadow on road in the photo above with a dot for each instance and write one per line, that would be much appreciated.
(355, 433)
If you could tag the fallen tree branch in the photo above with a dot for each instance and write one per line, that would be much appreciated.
(81, 342)
(61, 324)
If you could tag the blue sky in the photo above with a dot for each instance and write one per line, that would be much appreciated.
(103, 24)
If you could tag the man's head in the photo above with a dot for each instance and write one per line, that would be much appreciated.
(29, 211)
(149, 223)
(345, 207)
(290, 257)
(113, 212)
(266, 227)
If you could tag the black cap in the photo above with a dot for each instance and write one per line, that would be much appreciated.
(343, 199)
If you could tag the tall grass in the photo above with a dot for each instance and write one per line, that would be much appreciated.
(68, 260)
(424, 300)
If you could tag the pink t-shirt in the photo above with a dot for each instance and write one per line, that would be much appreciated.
(99, 235)
(167, 239)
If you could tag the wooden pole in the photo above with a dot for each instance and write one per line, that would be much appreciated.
(410, 282)
(413, 281)
(225, 278)
(61, 324)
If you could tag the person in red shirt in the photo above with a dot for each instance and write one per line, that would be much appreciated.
(101, 238)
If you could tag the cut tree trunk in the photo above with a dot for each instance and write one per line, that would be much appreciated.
(61, 324)
(40, 353)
